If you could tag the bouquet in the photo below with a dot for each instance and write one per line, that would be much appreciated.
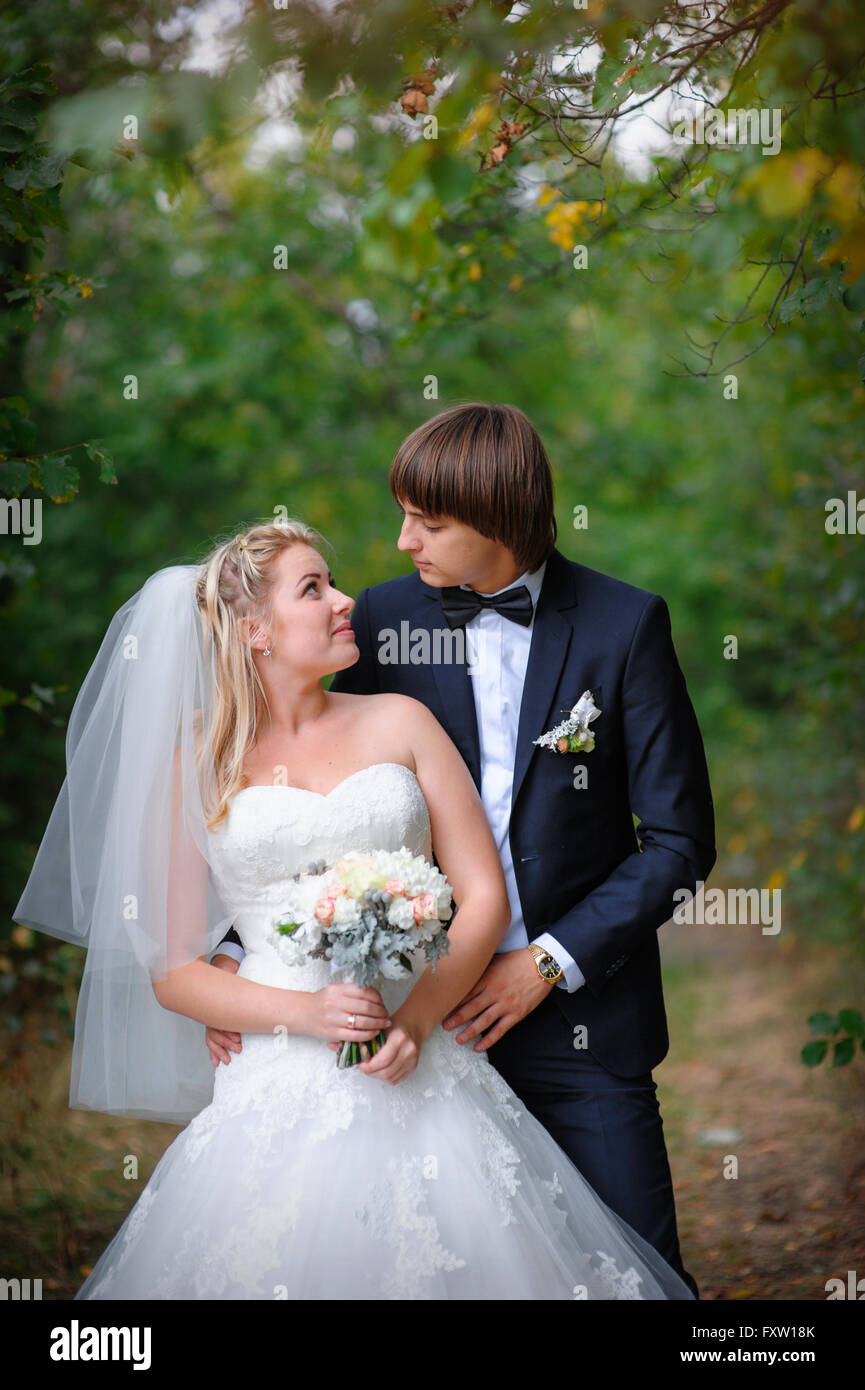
(366, 914)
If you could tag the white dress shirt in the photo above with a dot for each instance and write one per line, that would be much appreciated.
(498, 652)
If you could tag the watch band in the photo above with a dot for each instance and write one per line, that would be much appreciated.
(540, 955)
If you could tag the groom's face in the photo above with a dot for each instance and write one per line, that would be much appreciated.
(447, 552)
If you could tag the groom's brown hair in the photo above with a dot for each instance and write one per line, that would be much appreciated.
(483, 465)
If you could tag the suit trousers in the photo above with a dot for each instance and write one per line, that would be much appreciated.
(609, 1126)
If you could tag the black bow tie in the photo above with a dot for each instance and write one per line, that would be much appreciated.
(461, 605)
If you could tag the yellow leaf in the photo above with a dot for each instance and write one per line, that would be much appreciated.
(565, 214)
(515, 283)
(844, 191)
(857, 816)
(547, 195)
(777, 879)
(563, 236)
(784, 184)
(849, 247)
(478, 121)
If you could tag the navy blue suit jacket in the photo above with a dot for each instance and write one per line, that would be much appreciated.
(581, 872)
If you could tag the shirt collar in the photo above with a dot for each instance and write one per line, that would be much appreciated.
(533, 581)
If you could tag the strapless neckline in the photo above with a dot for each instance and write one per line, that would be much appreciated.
(273, 831)
(307, 791)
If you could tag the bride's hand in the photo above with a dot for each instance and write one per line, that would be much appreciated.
(333, 1007)
(399, 1056)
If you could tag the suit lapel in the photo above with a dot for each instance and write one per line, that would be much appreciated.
(551, 639)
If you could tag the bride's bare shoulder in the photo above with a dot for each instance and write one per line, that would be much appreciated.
(385, 706)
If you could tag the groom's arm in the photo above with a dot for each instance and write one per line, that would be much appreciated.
(230, 946)
(668, 787)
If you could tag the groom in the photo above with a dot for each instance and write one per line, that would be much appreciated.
(571, 1009)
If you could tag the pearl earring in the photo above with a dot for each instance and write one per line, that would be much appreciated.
(266, 651)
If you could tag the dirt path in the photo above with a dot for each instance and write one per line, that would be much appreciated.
(794, 1217)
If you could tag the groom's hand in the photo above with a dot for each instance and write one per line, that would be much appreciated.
(509, 988)
(220, 1043)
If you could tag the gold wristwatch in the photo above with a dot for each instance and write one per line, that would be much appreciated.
(548, 968)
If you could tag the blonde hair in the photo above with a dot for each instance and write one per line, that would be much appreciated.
(235, 583)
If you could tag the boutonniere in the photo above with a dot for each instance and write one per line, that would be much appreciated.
(573, 735)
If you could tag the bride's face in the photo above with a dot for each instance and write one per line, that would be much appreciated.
(309, 630)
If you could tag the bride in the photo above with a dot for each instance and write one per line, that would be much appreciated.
(206, 766)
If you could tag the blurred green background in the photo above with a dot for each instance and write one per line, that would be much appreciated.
(293, 284)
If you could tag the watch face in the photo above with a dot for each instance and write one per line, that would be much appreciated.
(548, 968)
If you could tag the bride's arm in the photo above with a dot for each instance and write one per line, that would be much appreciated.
(225, 1001)
(467, 856)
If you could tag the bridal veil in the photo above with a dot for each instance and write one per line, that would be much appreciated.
(122, 867)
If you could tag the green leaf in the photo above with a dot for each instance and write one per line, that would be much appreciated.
(822, 238)
(843, 1052)
(607, 91)
(853, 297)
(59, 479)
(103, 458)
(852, 1022)
(651, 74)
(14, 476)
(813, 1053)
(822, 1023)
(810, 298)
(48, 172)
(14, 140)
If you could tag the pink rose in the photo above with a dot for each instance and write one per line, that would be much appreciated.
(335, 891)
(562, 745)
(394, 886)
(324, 911)
(424, 907)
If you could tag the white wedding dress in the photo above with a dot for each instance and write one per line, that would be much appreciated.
(302, 1181)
